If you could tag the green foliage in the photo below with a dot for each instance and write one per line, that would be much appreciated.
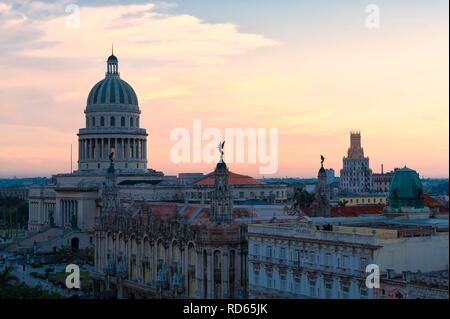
(302, 199)
(10, 288)
(343, 203)
(13, 213)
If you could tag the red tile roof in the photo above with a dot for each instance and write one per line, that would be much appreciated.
(433, 203)
(233, 179)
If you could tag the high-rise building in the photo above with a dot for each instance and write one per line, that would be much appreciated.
(356, 175)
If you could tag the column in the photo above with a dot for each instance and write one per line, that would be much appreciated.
(210, 273)
(225, 274)
(79, 149)
(123, 149)
(135, 148)
(199, 273)
(145, 149)
(93, 149)
(84, 149)
(238, 268)
(99, 148)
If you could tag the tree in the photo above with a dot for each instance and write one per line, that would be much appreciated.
(302, 199)
(10, 288)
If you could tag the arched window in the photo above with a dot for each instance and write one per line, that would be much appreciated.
(137, 122)
(93, 121)
(102, 121)
(131, 121)
(122, 121)
(113, 121)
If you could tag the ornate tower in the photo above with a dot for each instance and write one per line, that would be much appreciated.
(355, 175)
(112, 125)
(221, 200)
(110, 193)
(321, 203)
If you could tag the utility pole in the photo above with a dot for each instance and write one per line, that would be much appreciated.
(70, 158)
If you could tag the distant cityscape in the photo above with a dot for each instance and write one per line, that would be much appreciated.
(137, 233)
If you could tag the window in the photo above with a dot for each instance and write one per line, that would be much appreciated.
(256, 277)
(269, 282)
(102, 121)
(296, 256)
(328, 289)
(93, 121)
(131, 122)
(344, 261)
(269, 251)
(345, 290)
(327, 259)
(283, 253)
(241, 194)
(363, 292)
(282, 282)
(113, 121)
(311, 257)
(122, 121)
(312, 288)
(137, 122)
(297, 286)
(362, 263)
(256, 250)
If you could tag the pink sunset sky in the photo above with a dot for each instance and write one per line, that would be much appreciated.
(312, 71)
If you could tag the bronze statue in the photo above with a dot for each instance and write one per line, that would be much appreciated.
(111, 156)
(221, 148)
(322, 159)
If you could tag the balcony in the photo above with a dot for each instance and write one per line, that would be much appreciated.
(113, 130)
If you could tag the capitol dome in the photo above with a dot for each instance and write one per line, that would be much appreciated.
(405, 189)
(112, 90)
(112, 126)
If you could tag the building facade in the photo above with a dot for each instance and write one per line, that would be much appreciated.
(326, 257)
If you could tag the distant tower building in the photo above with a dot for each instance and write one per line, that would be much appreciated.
(330, 175)
(321, 203)
(356, 175)
(221, 200)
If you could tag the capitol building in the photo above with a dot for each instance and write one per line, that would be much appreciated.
(63, 212)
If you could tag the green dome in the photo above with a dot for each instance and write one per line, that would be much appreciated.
(406, 189)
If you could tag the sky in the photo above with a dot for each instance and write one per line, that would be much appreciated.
(311, 69)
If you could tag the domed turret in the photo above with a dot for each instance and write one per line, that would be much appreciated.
(405, 190)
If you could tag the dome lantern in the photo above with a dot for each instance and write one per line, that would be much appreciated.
(112, 64)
